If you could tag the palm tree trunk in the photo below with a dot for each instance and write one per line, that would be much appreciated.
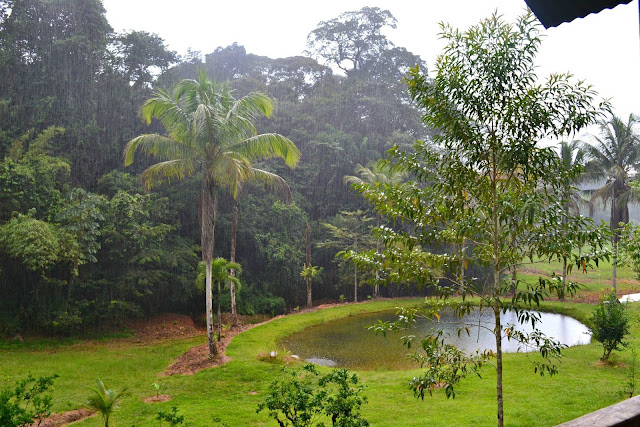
(614, 265)
(355, 286)
(376, 287)
(308, 280)
(219, 313)
(207, 227)
(232, 286)
(615, 219)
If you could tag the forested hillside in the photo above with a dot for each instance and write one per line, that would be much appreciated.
(83, 243)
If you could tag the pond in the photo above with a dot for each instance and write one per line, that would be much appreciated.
(347, 342)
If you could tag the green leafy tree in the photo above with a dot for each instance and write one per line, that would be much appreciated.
(379, 174)
(352, 40)
(610, 324)
(350, 231)
(210, 133)
(140, 53)
(30, 178)
(104, 400)
(613, 156)
(481, 181)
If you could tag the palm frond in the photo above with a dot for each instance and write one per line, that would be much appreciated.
(159, 146)
(231, 171)
(267, 146)
(252, 106)
(173, 117)
(159, 172)
(273, 181)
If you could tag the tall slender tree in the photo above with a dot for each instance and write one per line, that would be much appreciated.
(210, 133)
(614, 154)
(379, 174)
(491, 113)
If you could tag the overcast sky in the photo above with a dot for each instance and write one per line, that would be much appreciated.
(602, 49)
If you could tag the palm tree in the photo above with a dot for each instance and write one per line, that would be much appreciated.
(572, 155)
(381, 175)
(212, 134)
(309, 272)
(104, 400)
(614, 155)
(223, 271)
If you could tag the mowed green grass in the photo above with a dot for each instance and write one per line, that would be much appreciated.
(229, 395)
(597, 279)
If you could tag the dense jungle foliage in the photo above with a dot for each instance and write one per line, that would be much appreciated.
(83, 244)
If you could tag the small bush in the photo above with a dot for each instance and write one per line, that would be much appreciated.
(306, 399)
(27, 402)
(172, 417)
(610, 324)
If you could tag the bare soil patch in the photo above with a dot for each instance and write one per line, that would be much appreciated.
(197, 358)
(158, 398)
(163, 326)
(55, 420)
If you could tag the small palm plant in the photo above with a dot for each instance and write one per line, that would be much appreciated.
(104, 400)
(220, 274)
(308, 273)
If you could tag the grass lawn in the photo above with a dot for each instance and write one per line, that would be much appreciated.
(596, 280)
(229, 395)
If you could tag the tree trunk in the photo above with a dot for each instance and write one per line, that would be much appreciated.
(219, 313)
(564, 278)
(308, 279)
(376, 288)
(232, 286)
(499, 392)
(614, 224)
(462, 262)
(355, 286)
(207, 227)
(565, 207)
(614, 265)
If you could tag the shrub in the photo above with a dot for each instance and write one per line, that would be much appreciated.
(610, 324)
(172, 417)
(26, 402)
(302, 400)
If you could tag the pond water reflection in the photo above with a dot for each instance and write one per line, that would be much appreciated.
(347, 342)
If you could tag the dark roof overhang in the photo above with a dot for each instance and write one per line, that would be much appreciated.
(552, 13)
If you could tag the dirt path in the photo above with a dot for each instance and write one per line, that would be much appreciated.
(56, 420)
